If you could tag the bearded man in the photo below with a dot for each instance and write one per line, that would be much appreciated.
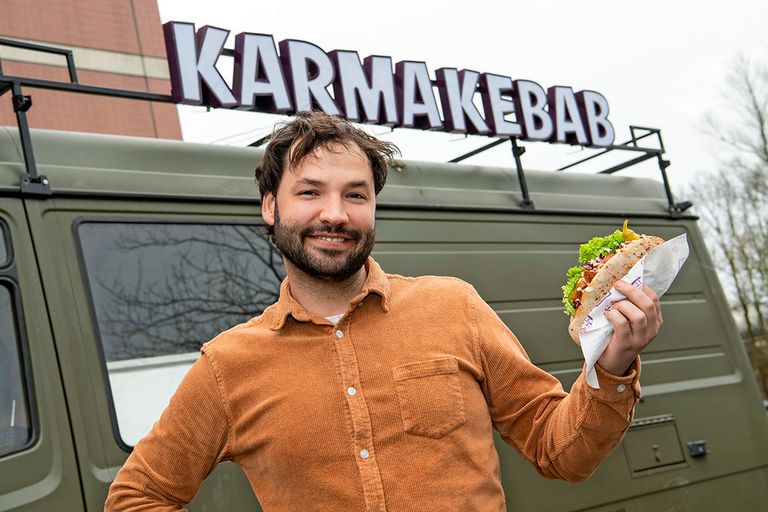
(360, 390)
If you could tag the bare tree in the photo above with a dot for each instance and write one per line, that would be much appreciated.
(744, 128)
(732, 202)
(166, 289)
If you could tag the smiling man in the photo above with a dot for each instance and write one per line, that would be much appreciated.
(326, 229)
(366, 391)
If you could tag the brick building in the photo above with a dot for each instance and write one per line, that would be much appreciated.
(116, 43)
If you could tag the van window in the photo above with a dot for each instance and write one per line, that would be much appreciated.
(3, 248)
(159, 291)
(15, 426)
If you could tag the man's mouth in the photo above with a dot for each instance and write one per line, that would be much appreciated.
(331, 239)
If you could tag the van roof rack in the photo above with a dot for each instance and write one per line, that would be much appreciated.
(646, 153)
(33, 184)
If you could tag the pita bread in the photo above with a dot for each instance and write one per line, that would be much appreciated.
(613, 270)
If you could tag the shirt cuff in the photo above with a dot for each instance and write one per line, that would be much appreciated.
(618, 388)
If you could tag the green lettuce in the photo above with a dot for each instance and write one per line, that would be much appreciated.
(600, 245)
(573, 275)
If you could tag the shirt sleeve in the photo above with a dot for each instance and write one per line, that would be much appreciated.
(563, 435)
(191, 437)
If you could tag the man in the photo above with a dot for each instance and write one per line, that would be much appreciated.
(364, 391)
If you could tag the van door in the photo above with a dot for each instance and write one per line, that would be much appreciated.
(38, 469)
(135, 288)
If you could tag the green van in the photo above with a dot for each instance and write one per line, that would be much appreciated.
(145, 249)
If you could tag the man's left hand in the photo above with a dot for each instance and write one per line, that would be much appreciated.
(636, 322)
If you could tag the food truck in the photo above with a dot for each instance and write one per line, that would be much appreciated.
(120, 256)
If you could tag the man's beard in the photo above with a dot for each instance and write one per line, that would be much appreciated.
(329, 265)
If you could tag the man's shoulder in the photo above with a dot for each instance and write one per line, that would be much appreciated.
(239, 337)
(438, 286)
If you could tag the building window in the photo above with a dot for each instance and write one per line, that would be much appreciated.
(159, 292)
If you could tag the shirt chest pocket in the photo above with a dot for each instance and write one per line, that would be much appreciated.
(430, 397)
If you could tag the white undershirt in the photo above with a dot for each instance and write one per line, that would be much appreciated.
(335, 318)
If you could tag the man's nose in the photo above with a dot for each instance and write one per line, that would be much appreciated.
(334, 212)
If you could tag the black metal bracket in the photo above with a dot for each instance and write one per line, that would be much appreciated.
(517, 152)
(21, 103)
(33, 184)
(478, 150)
(259, 142)
(698, 448)
(67, 54)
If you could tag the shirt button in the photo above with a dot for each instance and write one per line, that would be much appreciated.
(351, 391)
(364, 453)
(339, 334)
(620, 388)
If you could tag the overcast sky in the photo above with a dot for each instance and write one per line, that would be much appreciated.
(661, 64)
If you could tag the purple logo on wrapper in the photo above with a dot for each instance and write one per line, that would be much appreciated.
(638, 282)
(587, 325)
(603, 299)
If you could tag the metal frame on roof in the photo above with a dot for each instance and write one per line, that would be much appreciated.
(646, 153)
(33, 184)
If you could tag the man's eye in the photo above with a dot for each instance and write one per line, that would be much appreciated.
(357, 196)
(307, 193)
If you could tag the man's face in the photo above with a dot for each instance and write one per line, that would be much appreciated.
(324, 213)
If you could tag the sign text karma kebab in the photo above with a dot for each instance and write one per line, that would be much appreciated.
(301, 76)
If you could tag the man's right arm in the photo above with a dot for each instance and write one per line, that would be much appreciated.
(191, 437)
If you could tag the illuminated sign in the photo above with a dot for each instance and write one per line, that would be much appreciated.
(295, 76)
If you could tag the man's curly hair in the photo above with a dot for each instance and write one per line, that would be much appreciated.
(292, 141)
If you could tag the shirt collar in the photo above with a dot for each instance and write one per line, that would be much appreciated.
(376, 282)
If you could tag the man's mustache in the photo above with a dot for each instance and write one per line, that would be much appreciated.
(319, 229)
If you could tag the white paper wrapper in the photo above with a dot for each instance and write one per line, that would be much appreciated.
(657, 269)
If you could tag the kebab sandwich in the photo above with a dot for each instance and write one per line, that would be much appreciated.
(602, 262)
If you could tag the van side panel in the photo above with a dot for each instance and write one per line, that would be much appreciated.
(41, 472)
(694, 388)
(699, 440)
(100, 450)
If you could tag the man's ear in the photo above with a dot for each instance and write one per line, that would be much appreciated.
(268, 208)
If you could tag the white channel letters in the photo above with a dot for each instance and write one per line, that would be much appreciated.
(457, 92)
(258, 81)
(193, 61)
(415, 96)
(534, 119)
(565, 114)
(370, 86)
(301, 76)
(310, 72)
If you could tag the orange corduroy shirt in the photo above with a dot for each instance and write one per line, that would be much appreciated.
(391, 409)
